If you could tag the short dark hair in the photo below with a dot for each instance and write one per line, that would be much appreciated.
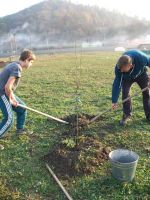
(27, 54)
(123, 61)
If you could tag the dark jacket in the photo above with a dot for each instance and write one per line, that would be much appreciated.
(140, 61)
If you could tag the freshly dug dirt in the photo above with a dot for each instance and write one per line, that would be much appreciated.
(77, 123)
(77, 153)
(82, 159)
(83, 119)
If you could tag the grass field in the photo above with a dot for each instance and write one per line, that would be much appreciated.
(50, 86)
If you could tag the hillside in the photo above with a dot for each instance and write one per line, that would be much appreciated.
(54, 21)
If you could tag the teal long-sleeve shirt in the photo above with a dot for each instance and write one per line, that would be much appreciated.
(140, 61)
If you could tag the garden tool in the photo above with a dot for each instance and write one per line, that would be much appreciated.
(123, 101)
(44, 114)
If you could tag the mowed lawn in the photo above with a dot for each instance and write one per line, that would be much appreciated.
(53, 85)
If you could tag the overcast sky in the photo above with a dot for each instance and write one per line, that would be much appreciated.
(139, 8)
(12, 6)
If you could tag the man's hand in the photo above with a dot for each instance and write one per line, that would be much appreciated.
(13, 102)
(114, 106)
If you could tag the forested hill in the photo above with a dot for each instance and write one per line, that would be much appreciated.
(62, 20)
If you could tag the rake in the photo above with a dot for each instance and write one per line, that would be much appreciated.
(123, 101)
(44, 114)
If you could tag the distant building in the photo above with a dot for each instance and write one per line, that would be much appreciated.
(121, 49)
(144, 47)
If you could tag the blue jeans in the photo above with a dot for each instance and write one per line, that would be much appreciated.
(7, 111)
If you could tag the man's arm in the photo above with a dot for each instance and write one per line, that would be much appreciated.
(116, 87)
(9, 90)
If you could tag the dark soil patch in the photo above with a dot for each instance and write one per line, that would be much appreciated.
(83, 159)
(77, 123)
(83, 119)
(77, 153)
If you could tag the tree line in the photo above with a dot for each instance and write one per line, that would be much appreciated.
(60, 20)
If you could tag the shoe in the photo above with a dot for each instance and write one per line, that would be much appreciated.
(125, 119)
(23, 131)
(1, 147)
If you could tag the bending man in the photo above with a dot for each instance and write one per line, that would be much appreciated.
(130, 68)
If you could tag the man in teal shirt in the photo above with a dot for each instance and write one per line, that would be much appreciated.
(131, 67)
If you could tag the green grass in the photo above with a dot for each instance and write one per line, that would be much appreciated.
(50, 86)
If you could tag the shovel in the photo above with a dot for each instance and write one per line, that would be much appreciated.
(125, 100)
(44, 114)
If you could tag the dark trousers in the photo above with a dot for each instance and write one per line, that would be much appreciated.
(142, 81)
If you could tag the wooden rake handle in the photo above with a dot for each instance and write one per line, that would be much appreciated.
(58, 182)
(44, 114)
(125, 100)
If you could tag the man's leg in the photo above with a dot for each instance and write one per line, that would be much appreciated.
(21, 114)
(127, 106)
(143, 82)
(7, 120)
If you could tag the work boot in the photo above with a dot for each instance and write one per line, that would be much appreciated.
(23, 131)
(125, 119)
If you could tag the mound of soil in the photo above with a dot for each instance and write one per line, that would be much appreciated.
(81, 159)
(83, 119)
(77, 123)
